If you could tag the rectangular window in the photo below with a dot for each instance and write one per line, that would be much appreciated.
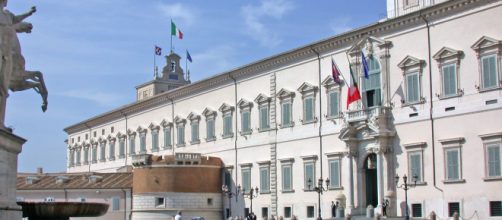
(265, 179)
(122, 148)
(228, 178)
(195, 132)
(155, 140)
(132, 145)
(287, 177)
(111, 150)
(493, 156)
(310, 211)
(159, 202)
(167, 138)
(264, 121)
(412, 87)
(264, 212)
(102, 153)
(495, 208)
(489, 71)
(286, 114)
(246, 180)
(181, 135)
(86, 155)
(210, 130)
(334, 173)
(227, 125)
(142, 143)
(334, 98)
(94, 154)
(246, 119)
(452, 164)
(449, 80)
(416, 210)
(115, 203)
(308, 109)
(309, 172)
(287, 212)
(415, 165)
(452, 208)
(78, 157)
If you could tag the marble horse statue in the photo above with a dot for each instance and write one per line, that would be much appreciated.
(13, 75)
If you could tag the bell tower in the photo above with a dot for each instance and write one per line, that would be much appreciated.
(172, 77)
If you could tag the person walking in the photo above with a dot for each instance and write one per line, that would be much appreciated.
(178, 216)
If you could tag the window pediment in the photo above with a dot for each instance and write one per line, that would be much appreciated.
(153, 126)
(410, 62)
(261, 99)
(141, 130)
(486, 43)
(368, 42)
(226, 108)
(307, 88)
(447, 53)
(164, 123)
(131, 132)
(180, 120)
(284, 93)
(111, 138)
(208, 112)
(193, 116)
(245, 104)
(329, 83)
(102, 140)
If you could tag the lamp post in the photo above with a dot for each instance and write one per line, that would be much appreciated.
(227, 191)
(406, 186)
(251, 194)
(319, 189)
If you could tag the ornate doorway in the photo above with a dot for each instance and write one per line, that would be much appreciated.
(371, 180)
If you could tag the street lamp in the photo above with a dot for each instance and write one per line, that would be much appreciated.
(227, 191)
(251, 194)
(319, 189)
(406, 186)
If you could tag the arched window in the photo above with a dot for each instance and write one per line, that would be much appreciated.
(372, 86)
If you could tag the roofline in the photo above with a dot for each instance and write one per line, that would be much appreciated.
(339, 41)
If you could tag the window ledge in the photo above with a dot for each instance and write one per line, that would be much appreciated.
(264, 192)
(292, 124)
(492, 178)
(195, 142)
(335, 188)
(85, 163)
(419, 102)
(224, 136)
(180, 145)
(489, 89)
(453, 181)
(210, 139)
(155, 150)
(443, 97)
(334, 117)
(167, 147)
(101, 160)
(421, 184)
(111, 158)
(288, 191)
(246, 132)
(121, 156)
(309, 121)
(94, 161)
(142, 152)
(264, 129)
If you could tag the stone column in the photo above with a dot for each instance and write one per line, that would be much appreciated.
(349, 182)
(10, 147)
(380, 183)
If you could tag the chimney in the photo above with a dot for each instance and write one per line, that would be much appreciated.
(40, 170)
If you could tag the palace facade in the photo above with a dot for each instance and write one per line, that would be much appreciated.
(430, 110)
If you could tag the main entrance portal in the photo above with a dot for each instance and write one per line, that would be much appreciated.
(371, 180)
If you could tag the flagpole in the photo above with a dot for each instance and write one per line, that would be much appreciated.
(332, 60)
(171, 35)
(154, 63)
(186, 66)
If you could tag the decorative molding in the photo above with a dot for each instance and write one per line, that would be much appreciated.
(164, 123)
(334, 154)
(496, 135)
(153, 126)
(180, 120)
(284, 94)
(457, 140)
(287, 160)
(224, 108)
(415, 145)
(264, 163)
(309, 157)
(246, 165)
(307, 88)
(208, 112)
(410, 62)
(244, 104)
(486, 42)
(447, 53)
(193, 117)
(329, 83)
(262, 99)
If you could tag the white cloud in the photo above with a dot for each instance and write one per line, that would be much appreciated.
(340, 25)
(178, 12)
(101, 98)
(254, 16)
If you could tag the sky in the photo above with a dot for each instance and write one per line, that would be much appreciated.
(94, 52)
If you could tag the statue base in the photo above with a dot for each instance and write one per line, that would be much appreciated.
(10, 147)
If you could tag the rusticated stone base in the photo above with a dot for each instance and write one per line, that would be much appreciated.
(10, 147)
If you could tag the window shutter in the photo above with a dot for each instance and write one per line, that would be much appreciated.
(245, 121)
(309, 174)
(416, 168)
(494, 160)
(333, 104)
(334, 173)
(309, 104)
(453, 165)
(263, 117)
(489, 72)
(286, 178)
(264, 179)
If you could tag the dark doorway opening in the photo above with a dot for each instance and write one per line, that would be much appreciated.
(371, 180)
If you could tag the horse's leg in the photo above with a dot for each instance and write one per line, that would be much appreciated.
(37, 84)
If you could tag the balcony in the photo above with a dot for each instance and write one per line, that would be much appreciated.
(366, 114)
(141, 160)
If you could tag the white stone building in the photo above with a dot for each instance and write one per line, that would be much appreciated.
(430, 108)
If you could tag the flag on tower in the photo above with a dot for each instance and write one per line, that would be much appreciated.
(189, 58)
(158, 50)
(175, 31)
(335, 72)
(353, 92)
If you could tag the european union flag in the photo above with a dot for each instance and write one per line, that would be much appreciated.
(365, 65)
(189, 58)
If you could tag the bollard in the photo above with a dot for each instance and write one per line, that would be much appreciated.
(455, 216)
(432, 216)
(347, 217)
(369, 211)
(377, 217)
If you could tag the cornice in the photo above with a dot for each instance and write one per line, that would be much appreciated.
(334, 43)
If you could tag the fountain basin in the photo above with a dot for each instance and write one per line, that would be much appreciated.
(62, 210)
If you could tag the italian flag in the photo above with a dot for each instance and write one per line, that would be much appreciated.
(175, 31)
(353, 92)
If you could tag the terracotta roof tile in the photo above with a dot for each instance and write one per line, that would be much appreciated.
(74, 181)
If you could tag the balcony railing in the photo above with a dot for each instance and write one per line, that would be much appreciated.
(365, 114)
(141, 159)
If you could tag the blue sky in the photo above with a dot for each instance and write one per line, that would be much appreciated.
(94, 52)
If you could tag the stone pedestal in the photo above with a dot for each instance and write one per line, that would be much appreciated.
(10, 147)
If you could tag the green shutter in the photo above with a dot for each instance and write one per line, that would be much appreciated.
(453, 165)
(494, 160)
(489, 72)
(309, 174)
(412, 87)
(334, 173)
(309, 109)
(264, 123)
(449, 80)
(264, 179)
(333, 104)
(416, 168)
(246, 117)
(286, 177)
(246, 180)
